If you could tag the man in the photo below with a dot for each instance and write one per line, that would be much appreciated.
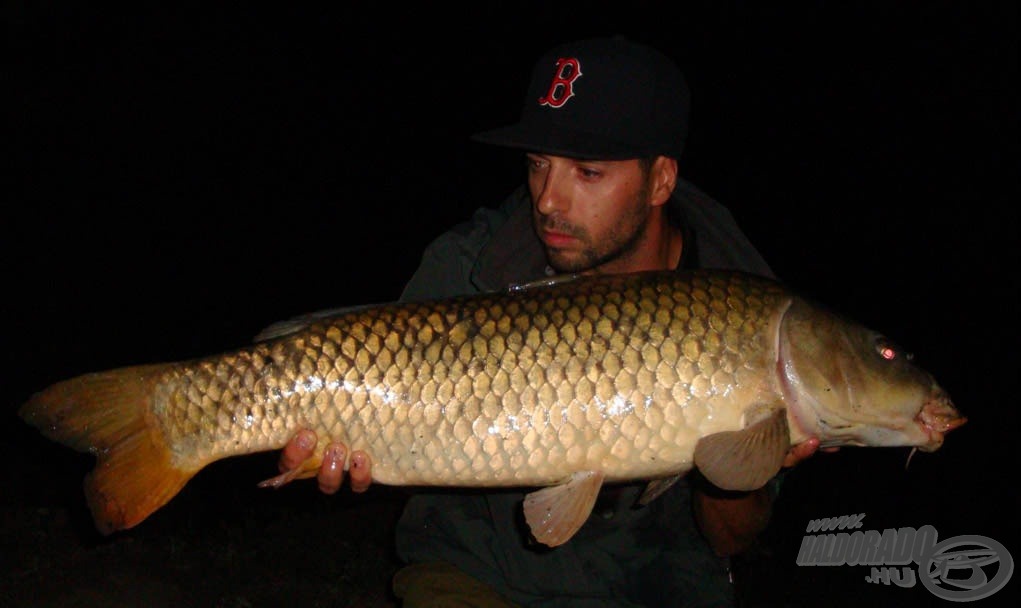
(602, 127)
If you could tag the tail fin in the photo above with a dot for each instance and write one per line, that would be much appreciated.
(109, 414)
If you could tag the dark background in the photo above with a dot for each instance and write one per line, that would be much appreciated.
(178, 179)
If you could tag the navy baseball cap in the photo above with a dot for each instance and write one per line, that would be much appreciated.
(601, 98)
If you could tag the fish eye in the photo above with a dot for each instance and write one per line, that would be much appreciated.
(890, 351)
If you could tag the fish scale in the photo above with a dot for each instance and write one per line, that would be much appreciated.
(586, 377)
(562, 385)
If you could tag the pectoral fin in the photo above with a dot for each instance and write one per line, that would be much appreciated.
(746, 459)
(555, 513)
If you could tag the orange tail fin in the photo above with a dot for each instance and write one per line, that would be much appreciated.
(109, 414)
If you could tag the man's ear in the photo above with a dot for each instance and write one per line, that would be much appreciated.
(664, 179)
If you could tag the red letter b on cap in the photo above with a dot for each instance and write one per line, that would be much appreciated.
(562, 87)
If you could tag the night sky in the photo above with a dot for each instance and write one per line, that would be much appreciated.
(177, 180)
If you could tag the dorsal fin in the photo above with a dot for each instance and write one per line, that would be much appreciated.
(296, 324)
(540, 283)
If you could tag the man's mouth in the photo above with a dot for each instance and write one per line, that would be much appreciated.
(556, 239)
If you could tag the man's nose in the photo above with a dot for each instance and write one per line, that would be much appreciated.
(552, 197)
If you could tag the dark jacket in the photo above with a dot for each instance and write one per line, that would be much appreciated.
(623, 556)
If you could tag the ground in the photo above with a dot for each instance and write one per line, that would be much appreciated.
(223, 543)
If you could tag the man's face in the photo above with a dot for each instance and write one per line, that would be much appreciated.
(590, 215)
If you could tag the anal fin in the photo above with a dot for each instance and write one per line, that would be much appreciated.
(555, 513)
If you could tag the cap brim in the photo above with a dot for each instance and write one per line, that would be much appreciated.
(561, 141)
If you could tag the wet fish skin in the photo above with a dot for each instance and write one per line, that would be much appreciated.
(623, 375)
(498, 390)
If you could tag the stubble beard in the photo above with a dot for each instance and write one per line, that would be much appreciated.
(619, 243)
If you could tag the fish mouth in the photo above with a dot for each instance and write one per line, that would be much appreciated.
(937, 417)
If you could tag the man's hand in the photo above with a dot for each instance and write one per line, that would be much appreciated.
(803, 450)
(298, 461)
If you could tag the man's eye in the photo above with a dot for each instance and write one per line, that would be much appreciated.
(590, 173)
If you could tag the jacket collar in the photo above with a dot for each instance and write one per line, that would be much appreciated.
(514, 254)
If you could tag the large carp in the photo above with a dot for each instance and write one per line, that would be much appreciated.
(558, 386)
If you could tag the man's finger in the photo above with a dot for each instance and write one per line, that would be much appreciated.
(801, 451)
(361, 471)
(331, 472)
(298, 450)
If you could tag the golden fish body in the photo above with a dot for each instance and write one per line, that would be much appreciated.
(505, 389)
(624, 377)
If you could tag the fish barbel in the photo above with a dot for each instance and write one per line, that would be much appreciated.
(558, 386)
